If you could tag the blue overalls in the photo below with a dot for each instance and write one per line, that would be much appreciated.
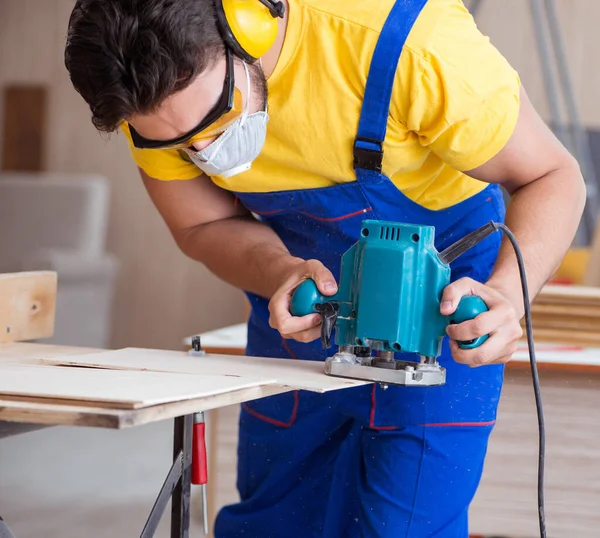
(363, 462)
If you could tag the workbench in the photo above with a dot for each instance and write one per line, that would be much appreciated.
(48, 385)
(506, 502)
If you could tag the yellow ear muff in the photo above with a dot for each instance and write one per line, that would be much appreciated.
(247, 26)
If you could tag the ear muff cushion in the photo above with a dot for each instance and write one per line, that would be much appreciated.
(247, 27)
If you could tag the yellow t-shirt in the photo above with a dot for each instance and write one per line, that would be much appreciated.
(454, 105)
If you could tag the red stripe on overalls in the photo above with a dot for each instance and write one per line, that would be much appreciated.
(273, 421)
(322, 219)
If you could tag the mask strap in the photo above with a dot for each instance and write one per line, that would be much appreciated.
(248, 89)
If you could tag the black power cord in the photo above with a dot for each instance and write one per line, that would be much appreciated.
(450, 254)
(534, 375)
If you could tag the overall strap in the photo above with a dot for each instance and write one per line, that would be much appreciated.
(368, 146)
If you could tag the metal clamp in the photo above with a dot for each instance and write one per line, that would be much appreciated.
(368, 154)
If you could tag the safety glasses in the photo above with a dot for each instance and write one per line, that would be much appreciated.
(227, 110)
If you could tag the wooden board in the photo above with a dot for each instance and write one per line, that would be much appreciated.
(567, 314)
(29, 352)
(572, 293)
(575, 323)
(296, 374)
(567, 337)
(52, 412)
(27, 305)
(556, 309)
(115, 388)
(592, 270)
(568, 355)
(24, 128)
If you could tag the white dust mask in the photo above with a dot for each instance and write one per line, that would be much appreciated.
(234, 150)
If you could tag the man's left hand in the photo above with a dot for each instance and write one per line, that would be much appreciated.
(501, 322)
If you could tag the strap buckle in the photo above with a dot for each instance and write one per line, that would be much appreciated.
(368, 154)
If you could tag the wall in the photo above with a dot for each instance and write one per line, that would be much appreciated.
(510, 27)
(161, 294)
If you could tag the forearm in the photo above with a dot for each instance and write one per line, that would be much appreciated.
(544, 216)
(241, 251)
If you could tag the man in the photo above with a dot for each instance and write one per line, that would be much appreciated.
(271, 190)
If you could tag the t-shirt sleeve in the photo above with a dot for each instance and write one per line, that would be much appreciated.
(163, 164)
(454, 89)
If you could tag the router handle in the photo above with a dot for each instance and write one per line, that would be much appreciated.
(305, 299)
(469, 307)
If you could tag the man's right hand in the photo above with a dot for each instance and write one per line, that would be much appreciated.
(305, 328)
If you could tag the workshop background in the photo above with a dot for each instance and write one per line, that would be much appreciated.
(122, 280)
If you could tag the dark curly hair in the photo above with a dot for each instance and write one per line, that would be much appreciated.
(126, 56)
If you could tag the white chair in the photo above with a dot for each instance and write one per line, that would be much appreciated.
(59, 222)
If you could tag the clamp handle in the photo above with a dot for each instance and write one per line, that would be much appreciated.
(469, 307)
(199, 459)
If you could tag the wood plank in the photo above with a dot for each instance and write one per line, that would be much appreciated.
(567, 353)
(24, 128)
(555, 309)
(296, 374)
(566, 324)
(27, 305)
(51, 413)
(30, 352)
(567, 302)
(116, 388)
(567, 337)
(592, 270)
(584, 293)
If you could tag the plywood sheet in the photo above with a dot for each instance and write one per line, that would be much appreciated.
(119, 388)
(297, 374)
(66, 413)
(27, 305)
(570, 293)
(30, 352)
(592, 270)
(570, 355)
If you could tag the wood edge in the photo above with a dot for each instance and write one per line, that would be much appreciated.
(27, 274)
(73, 402)
(156, 413)
(72, 415)
(553, 366)
(58, 415)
